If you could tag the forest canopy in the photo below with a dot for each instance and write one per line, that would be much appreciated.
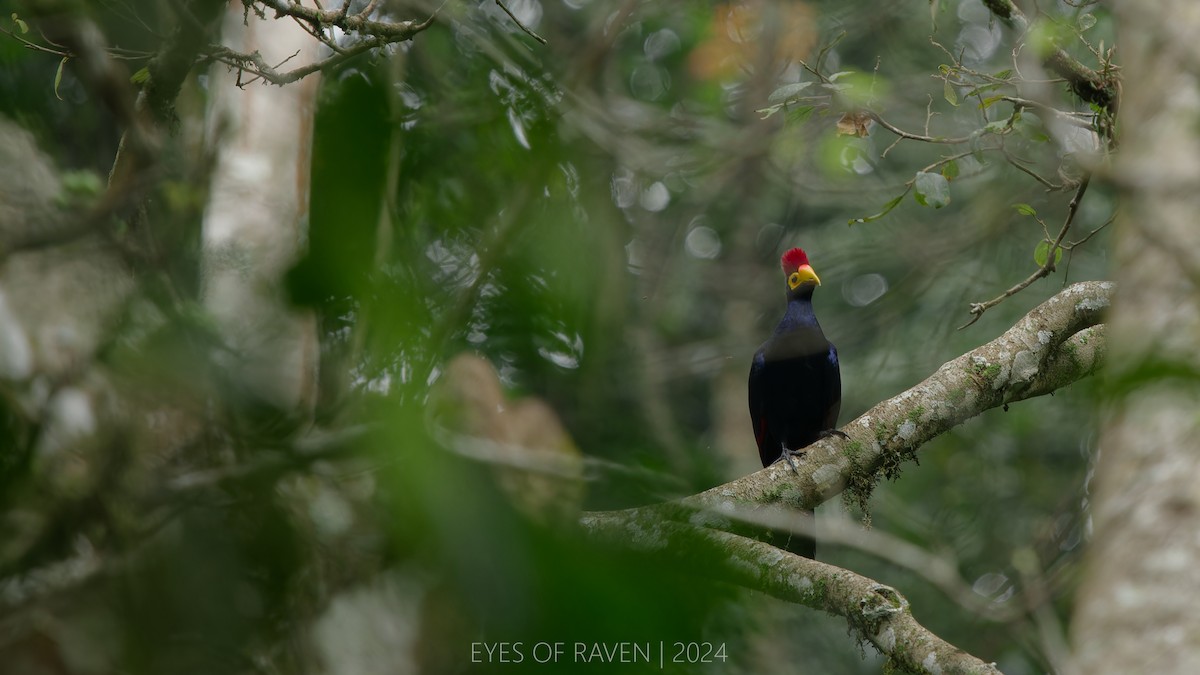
(405, 337)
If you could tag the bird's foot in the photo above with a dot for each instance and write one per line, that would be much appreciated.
(833, 432)
(787, 454)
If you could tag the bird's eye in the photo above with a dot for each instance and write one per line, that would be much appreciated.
(794, 280)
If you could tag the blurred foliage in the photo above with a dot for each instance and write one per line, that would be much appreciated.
(600, 218)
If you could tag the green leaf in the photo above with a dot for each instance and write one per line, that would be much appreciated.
(1043, 251)
(975, 142)
(1025, 209)
(788, 91)
(769, 110)
(989, 101)
(83, 183)
(1086, 21)
(887, 208)
(58, 76)
(140, 76)
(984, 88)
(21, 25)
(799, 114)
(1003, 75)
(932, 189)
(860, 90)
(949, 93)
(950, 170)
(1030, 126)
(999, 127)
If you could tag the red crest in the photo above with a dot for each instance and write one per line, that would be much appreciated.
(793, 259)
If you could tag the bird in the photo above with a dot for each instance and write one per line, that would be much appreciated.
(795, 386)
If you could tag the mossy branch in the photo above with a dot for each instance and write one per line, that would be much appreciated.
(1059, 342)
(1087, 84)
(873, 611)
(320, 23)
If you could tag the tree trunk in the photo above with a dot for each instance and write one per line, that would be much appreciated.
(1137, 607)
(254, 227)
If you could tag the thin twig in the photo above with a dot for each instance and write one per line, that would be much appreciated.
(1077, 119)
(1092, 233)
(978, 308)
(917, 137)
(826, 49)
(1084, 82)
(381, 34)
(520, 25)
(1050, 187)
(366, 12)
(35, 46)
(1070, 248)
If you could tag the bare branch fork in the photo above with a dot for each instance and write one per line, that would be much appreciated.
(978, 308)
(316, 21)
(1087, 84)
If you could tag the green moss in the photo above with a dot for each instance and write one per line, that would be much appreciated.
(891, 462)
(820, 592)
(775, 493)
(992, 371)
(895, 661)
(956, 396)
(861, 481)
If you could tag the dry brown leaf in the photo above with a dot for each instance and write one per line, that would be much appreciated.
(854, 124)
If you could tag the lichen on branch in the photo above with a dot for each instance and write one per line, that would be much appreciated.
(1059, 342)
(1055, 344)
(1038, 355)
(1044, 351)
(1086, 83)
(367, 30)
(874, 612)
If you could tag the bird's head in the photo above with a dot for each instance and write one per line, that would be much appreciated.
(800, 275)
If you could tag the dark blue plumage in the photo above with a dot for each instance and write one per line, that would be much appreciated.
(795, 382)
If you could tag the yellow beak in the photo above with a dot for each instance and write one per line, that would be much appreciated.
(803, 275)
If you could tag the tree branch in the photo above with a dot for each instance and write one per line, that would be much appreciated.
(874, 612)
(520, 25)
(372, 34)
(390, 31)
(156, 101)
(1084, 82)
(1047, 349)
(978, 308)
(1057, 343)
(916, 137)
